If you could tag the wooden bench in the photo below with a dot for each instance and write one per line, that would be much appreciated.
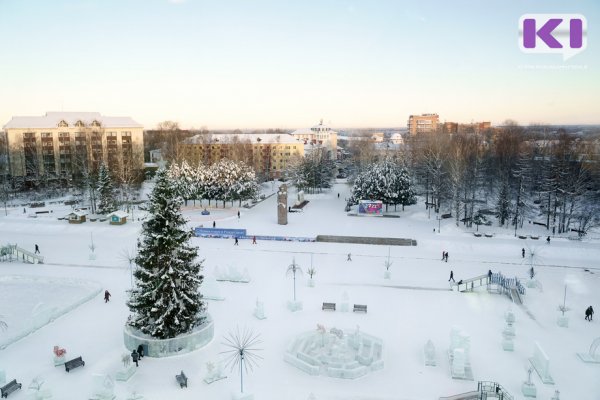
(9, 388)
(360, 308)
(328, 306)
(74, 363)
(181, 379)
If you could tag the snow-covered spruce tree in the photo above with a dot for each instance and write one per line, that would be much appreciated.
(107, 199)
(165, 301)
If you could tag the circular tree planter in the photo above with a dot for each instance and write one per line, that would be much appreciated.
(186, 343)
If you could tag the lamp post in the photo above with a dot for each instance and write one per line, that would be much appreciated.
(439, 219)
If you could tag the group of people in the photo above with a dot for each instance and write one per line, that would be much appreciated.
(137, 355)
(589, 312)
(445, 256)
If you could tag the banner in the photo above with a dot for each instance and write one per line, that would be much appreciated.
(370, 208)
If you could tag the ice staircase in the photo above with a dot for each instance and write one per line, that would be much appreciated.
(485, 390)
(469, 284)
(12, 252)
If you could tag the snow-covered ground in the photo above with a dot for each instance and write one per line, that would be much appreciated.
(413, 306)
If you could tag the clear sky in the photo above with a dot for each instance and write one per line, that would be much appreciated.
(266, 63)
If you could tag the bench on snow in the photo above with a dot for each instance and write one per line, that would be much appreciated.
(9, 388)
(74, 363)
(328, 306)
(181, 379)
(360, 308)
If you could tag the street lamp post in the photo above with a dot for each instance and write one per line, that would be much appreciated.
(439, 219)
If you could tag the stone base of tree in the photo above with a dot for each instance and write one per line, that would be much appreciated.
(563, 321)
(294, 305)
(387, 275)
(311, 282)
(198, 338)
(124, 374)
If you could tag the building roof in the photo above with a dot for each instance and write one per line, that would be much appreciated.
(77, 214)
(314, 129)
(52, 119)
(118, 214)
(224, 138)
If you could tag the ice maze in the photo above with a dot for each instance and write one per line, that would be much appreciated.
(336, 353)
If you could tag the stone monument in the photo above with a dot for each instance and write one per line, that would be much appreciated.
(282, 208)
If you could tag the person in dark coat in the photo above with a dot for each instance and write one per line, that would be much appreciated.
(588, 313)
(214, 224)
(451, 276)
(548, 240)
(140, 351)
(253, 239)
(236, 243)
(446, 256)
(106, 296)
(349, 257)
(523, 252)
(135, 357)
(238, 214)
(490, 275)
(37, 249)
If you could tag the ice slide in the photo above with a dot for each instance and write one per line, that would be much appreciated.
(463, 396)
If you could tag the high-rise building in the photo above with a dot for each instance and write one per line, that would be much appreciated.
(63, 145)
(424, 123)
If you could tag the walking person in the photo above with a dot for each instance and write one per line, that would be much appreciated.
(587, 314)
(106, 296)
(253, 239)
(523, 252)
(37, 249)
(140, 350)
(490, 275)
(591, 313)
(214, 224)
(236, 243)
(451, 276)
(135, 357)
(349, 257)
(238, 214)
(338, 195)
(548, 240)
(446, 256)
(443, 254)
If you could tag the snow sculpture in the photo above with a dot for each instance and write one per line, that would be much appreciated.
(556, 395)
(460, 366)
(35, 390)
(508, 333)
(211, 291)
(528, 387)
(335, 353)
(429, 352)
(135, 396)
(214, 372)
(103, 387)
(541, 364)
(345, 305)
(59, 355)
(233, 274)
(128, 369)
(2, 377)
(591, 356)
(259, 311)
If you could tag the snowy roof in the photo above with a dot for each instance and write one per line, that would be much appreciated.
(265, 138)
(52, 119)
(77, 214)
(118, 214)
(314, 129)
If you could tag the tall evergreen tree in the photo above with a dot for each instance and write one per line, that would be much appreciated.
(107, 201)
(166, 300)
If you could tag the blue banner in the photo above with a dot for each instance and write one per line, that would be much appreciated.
(219, 232)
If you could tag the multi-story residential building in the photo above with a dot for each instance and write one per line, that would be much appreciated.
(318, 136)
(269, 153)
(424, 123)
(474, 127)
(63, 145)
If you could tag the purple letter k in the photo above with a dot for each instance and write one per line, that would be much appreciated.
(545, 33)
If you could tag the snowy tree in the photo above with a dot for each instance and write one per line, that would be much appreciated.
(107, 199)
(165, 301)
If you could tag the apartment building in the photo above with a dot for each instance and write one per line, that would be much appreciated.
(269, 154)
(424, 123)
(62, 145)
